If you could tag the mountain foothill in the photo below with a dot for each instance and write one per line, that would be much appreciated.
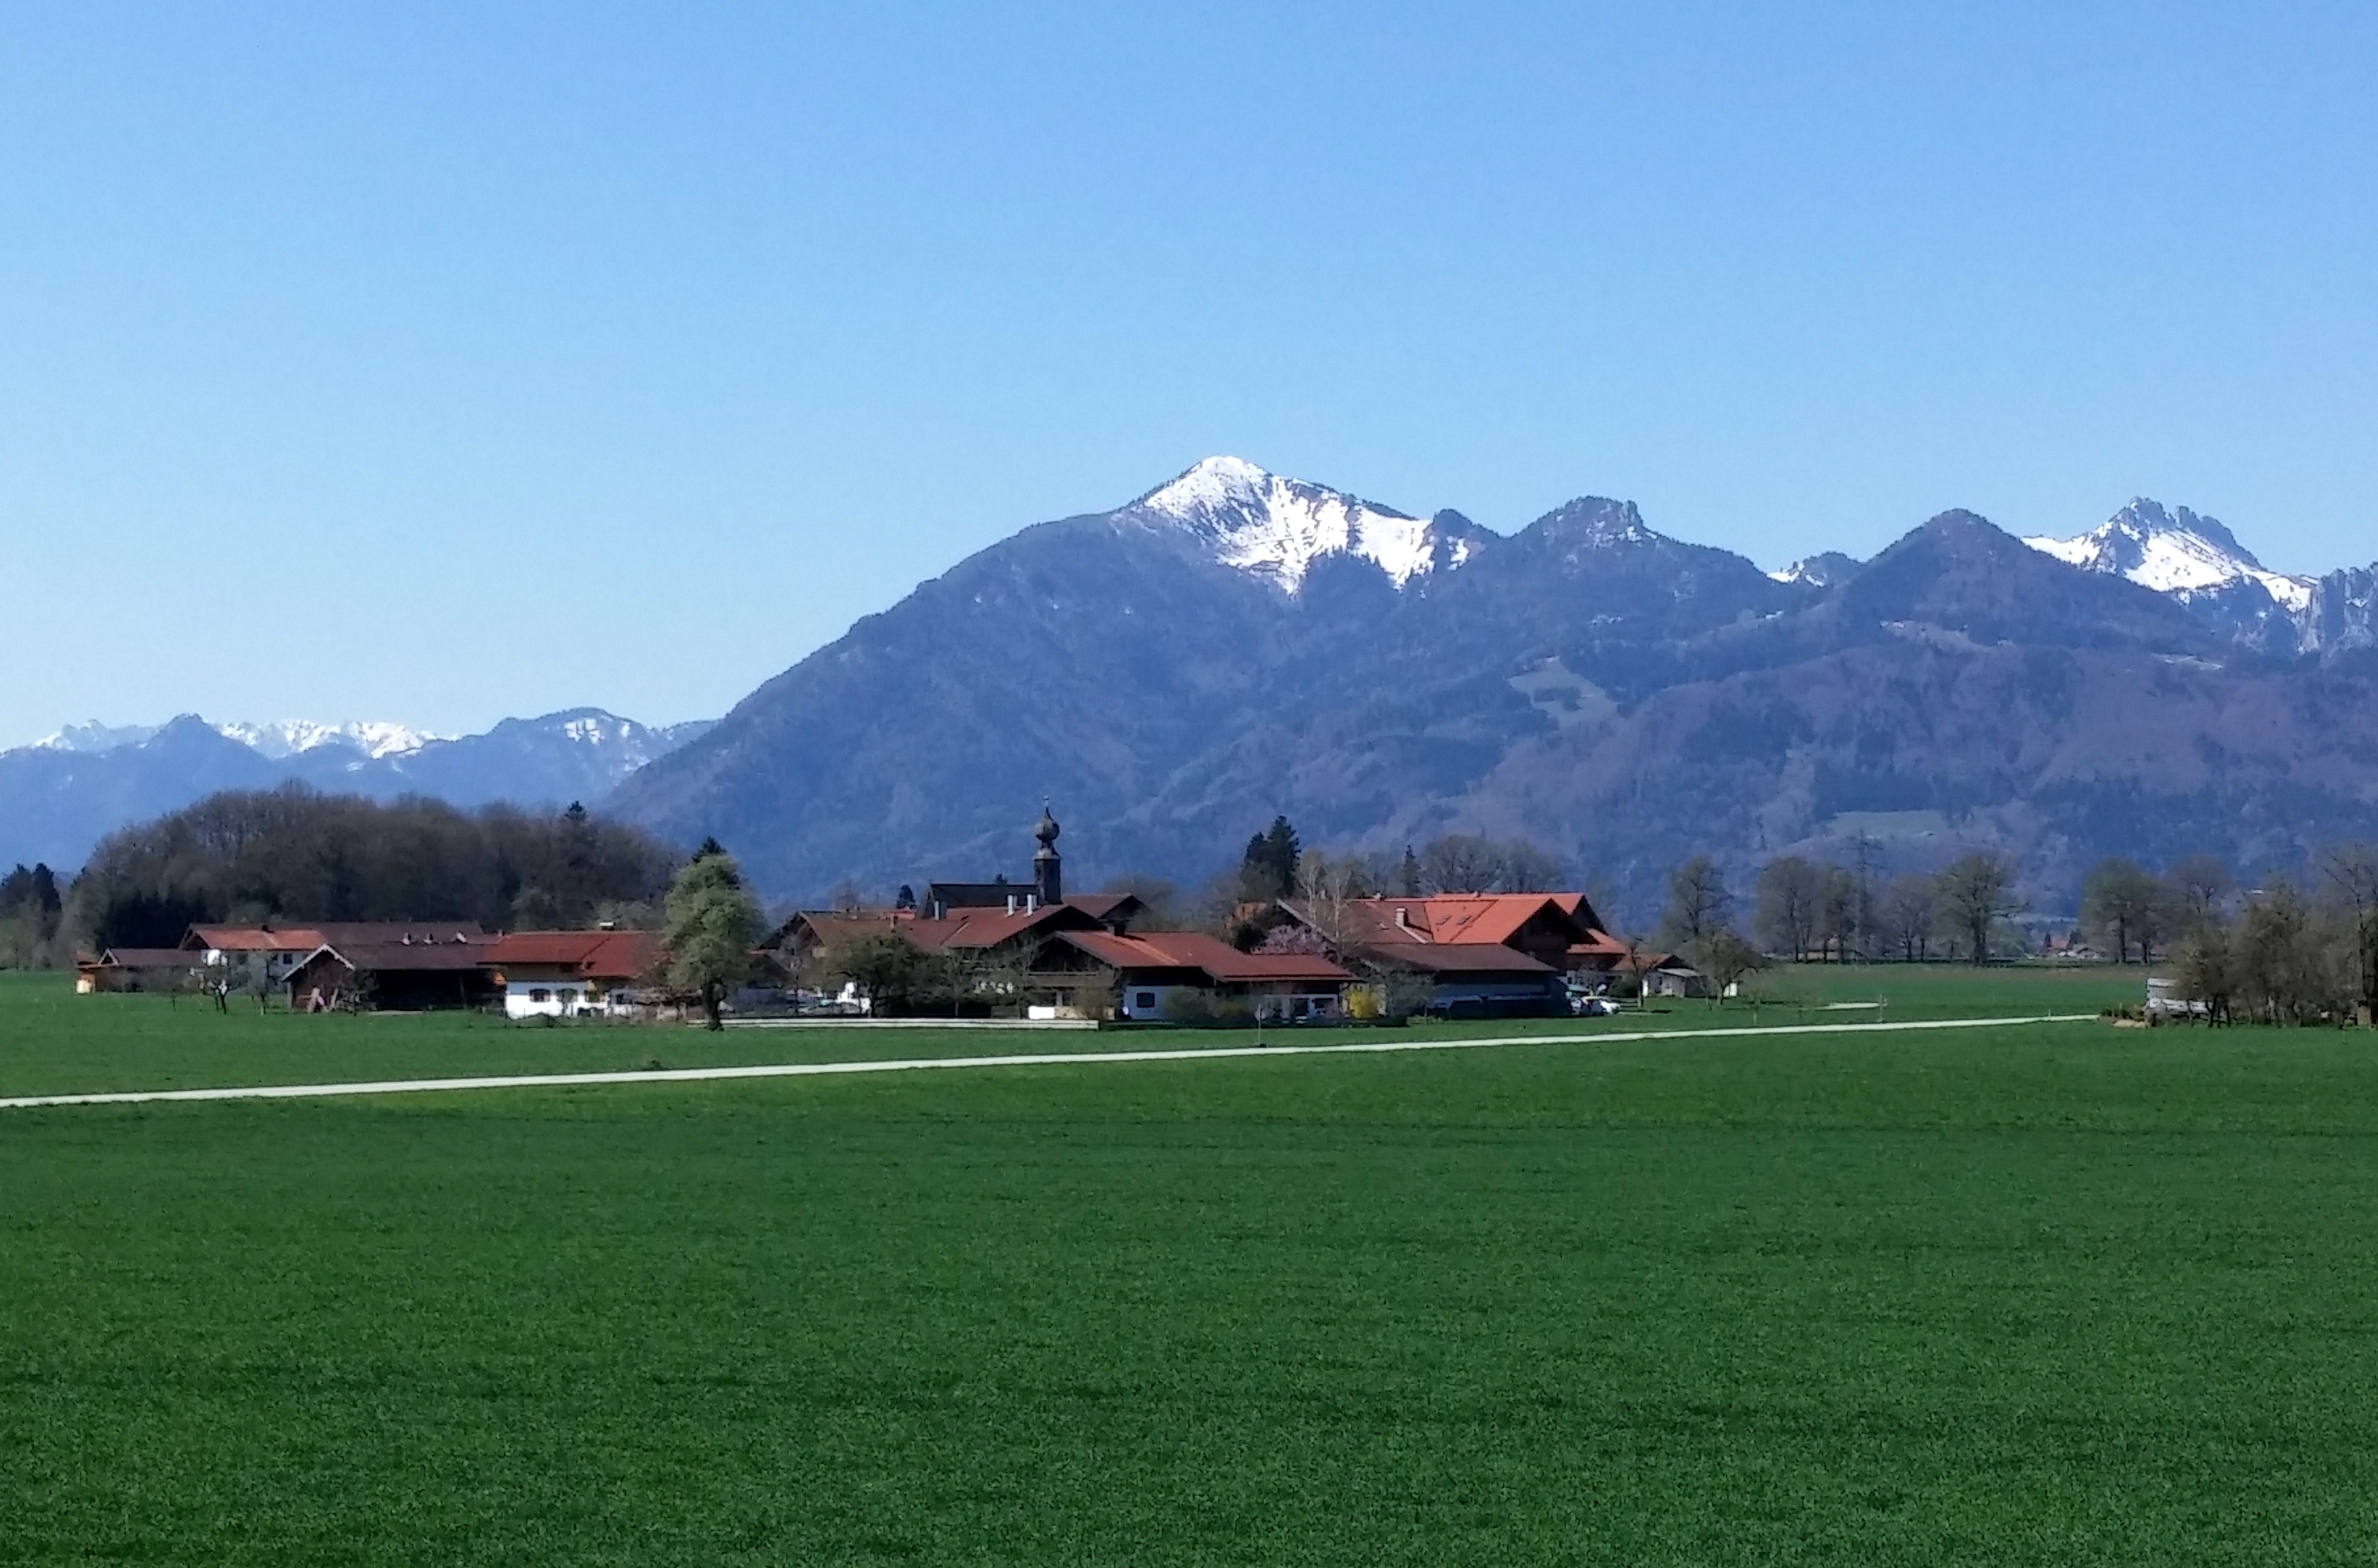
(1235, 644)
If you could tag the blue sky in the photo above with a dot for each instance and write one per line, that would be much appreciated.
(436, 363)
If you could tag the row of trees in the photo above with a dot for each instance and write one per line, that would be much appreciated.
(2292, 952)
(1804, 908)
(293, 855)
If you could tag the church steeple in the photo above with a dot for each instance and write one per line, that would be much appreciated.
(1048, 872)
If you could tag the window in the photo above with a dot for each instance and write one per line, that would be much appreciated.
(540, 994)
(1144, 999)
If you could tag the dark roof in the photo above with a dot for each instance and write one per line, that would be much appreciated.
(977, 894)
(305, 938)
(1221, 962)
(1109, 906)
(1461, 958)
(147, 957)
(394, 957)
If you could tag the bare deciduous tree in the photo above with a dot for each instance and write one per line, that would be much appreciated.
(1462, 863)
(1698, 903)
(1974, 894)
(1904, 917)
(1786, 916)
(2352, 874)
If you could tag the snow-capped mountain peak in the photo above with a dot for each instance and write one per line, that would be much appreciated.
(2173, 551)
(1277, 527)
(95, 737)
(288, 737)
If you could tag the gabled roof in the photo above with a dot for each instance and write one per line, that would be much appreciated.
(145, 957)
(393, 958)
(1109, 906)
(251, 939)
(1216, 958)
(983, 927)
(305, 938)
(1445, 919)
(1454, 958)
(833, 927)
(593, 955)
(975, 929)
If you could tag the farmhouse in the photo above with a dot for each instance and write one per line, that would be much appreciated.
(283, 948)
(996, 919)
(573, 973)
(404, 975)
(1157, 974)
(1029, 944)
(1479, 954)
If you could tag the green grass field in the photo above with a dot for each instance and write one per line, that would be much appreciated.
(52, 1041)
(2033, 1295)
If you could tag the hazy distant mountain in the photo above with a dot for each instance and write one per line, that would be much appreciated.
(1235, 644)
(60, 796)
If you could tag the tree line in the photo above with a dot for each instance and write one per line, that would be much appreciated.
(1802, 909)
(31, 911)
(290, 855)
(2293, 950)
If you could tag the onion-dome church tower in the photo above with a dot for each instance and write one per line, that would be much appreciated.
(1047, 870)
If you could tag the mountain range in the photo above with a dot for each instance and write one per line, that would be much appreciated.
(61, 795)
(1235, 644)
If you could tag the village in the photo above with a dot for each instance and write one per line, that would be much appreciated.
(1022, 950)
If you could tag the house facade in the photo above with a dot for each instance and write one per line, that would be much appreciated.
(1166, 975)
(571, 974)
(1476, 954)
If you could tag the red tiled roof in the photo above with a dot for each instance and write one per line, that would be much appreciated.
(1579, 908)
(993, 928)
(253, 939)
(1215, 958)
(597, 955)
(1451, 919)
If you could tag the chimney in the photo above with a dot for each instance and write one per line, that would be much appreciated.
(1011, 904)
(1403, 918)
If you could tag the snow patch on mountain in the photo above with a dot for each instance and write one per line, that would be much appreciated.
(95, 737)
(1277, 527)
(1821, 570)
(288, 737)
(2176, 552)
